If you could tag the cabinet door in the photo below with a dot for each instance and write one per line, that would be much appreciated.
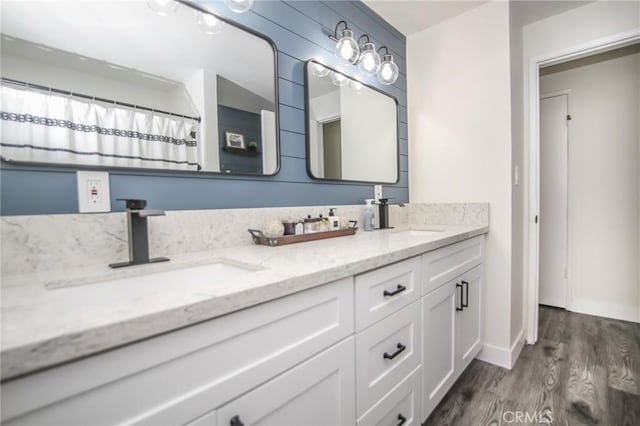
(469, 320)
(438, 361)
(320, 391)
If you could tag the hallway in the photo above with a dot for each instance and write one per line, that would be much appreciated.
(584, 370)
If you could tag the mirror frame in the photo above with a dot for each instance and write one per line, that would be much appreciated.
(308, 130)
(147, 171)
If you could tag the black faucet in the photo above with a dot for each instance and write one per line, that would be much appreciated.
(139, 234)
(383, 213)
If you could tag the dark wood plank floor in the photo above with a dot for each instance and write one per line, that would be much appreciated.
(584, 370)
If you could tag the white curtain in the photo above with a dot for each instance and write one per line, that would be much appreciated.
(49, 127)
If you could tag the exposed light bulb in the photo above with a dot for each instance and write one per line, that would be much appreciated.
(318, 70)
(369, 59)
(239, 6)
(338, 79)
(347, 48)
(209, 23)
(356, 85)
(163, 7)
(388, 73)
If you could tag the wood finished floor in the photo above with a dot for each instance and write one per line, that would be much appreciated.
(584, 370)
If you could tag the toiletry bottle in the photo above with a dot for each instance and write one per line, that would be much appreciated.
(334, 221)
(368, 216)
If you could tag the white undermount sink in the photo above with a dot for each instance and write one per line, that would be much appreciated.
(156, 283)
(418, 232)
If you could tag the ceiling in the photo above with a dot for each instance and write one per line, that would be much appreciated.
(410, 17)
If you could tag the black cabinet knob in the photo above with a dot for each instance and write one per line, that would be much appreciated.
(398, 289)
(401, 420)
(235, 421)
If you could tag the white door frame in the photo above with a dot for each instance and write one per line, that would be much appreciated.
(532, 257)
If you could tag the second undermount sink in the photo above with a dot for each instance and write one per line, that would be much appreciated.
(418, 232)
(156, 283)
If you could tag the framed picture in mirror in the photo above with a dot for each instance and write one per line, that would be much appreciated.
(235, 140)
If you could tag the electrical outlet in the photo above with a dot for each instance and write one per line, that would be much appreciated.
(93, 192)
(377, 193)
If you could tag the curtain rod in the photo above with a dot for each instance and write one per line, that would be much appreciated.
(93, 98)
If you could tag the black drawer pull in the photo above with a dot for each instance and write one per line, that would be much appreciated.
(398, 289)
(466, 292)
(461, 305)
(235, 421)
(401, 420)
(400, 347)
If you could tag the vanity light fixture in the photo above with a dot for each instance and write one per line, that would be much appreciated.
(339, 79)
(239, 6)
(346, 46)
(388, 73)
(319, 70)
(163, 7)
(209, 23)
(356, 86)
(369, 60)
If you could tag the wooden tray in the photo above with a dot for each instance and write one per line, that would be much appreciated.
(260, 238)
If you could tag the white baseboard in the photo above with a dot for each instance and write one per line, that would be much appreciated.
(500, 356)
(625, 313)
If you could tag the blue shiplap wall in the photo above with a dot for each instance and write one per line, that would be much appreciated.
(299, 30)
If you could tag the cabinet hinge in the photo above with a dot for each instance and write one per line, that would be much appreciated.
(536, 219)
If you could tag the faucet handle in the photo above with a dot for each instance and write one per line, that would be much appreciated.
(134, 204)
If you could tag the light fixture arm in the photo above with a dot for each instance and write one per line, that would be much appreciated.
(334, 36)
(365, 36)
(386, 51)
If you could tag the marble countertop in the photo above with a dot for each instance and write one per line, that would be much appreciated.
(41, 328)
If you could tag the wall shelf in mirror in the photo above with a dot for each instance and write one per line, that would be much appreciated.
(140, 101)
(351, 128)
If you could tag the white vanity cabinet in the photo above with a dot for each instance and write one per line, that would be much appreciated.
(379, 348)
(175, 378)
(451, 316)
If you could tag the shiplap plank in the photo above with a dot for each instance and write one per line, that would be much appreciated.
(291, 94)
(292, 144)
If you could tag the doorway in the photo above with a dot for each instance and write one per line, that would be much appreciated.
(533, 248)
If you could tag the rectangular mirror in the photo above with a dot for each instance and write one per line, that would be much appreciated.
(116, 84)
(352, 129)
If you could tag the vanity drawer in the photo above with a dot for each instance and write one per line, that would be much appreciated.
(386, 353)
(401, 405)
(320, 391)
(446, 263)
(385, 290)
(179, 376)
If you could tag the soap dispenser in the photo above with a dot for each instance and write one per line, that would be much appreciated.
(334, 221)
(368, 215)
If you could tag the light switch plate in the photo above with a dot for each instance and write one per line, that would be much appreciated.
(93, 192)
(377, 193)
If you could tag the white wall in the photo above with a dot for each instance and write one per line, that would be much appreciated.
(460, 136)
(555, 35)
(604, 191)
(518, 319)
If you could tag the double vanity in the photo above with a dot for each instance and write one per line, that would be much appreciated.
(367, 329)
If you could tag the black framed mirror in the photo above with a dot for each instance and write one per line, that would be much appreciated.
(352, 128)
(115, 84)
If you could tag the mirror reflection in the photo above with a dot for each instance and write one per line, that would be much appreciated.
(115, 84)
(352, 129)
